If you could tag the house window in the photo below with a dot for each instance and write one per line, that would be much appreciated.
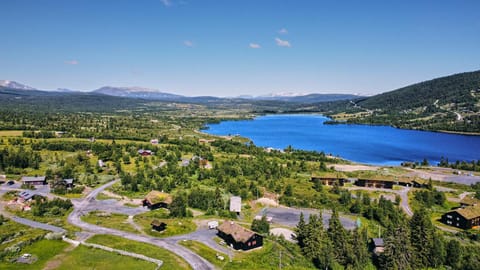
(449, 216)
(254, 242)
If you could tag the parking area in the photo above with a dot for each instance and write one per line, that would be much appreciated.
(288, 216)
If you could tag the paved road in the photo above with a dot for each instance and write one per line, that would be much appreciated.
(289, 216)
(193, 259)
(37, 225)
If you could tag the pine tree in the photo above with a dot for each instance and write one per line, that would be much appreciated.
(422, 232)
(341, 240)
(300, 231)
(398, 250)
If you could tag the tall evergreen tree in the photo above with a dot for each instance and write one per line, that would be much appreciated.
(341, 240)
(300, 231)
(422, 233)
(398, 250)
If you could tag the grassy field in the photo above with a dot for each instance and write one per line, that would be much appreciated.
(14, 233)
(206, 252)
(109, 220)
(10, 133)
(83, 258)
(44, 250)
(175, 226)
(170, 260)
(268, 257)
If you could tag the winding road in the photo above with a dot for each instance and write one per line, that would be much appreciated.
(74, 218)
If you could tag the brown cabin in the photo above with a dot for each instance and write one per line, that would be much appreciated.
(329, 179)
(156, 199)
(239, 237)
(463, 218)
(375, 183)
(35, 180)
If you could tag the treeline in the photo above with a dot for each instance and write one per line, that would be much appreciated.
(460, 165)
(409, 244)
(20, 157)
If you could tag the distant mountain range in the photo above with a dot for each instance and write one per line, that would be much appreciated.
(450, 103)
(153, 94)
(15, 85)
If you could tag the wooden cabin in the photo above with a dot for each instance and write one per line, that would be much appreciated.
(239, 237)
(330, 179)
(156, 199)
(463, 218)
(375, 182)
(34, 180)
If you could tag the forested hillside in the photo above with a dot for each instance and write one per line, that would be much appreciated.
(449, 103)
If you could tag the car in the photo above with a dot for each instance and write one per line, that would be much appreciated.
(26, 255)
(11, 182)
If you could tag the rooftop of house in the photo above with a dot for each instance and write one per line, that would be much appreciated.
(467, 200)
(235, 203)
(378, 242)
(334, 175)
(469, 212)
(68, 181)
(154, 197)
(239, 233)
(33, 178)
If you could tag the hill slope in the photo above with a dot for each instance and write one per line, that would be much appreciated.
(450, 103)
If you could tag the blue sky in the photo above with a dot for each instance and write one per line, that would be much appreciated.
(229, 48)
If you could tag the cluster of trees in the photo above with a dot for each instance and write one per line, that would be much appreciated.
(261, 225)
(20, 157)
(56, 207)
(429, 198)
(415, 244)
(333, 247)
(460, 165)
(409, 244)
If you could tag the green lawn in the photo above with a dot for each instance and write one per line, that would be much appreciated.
(268, 256)
(170, 260)
(44, 250)
(206, 252)
(13, 233)
(175, 226)
(83, 258)
(109, 220)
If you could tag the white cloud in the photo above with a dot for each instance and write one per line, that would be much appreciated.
(254, 46)
(282, 43)
(283, 31)
(71, 62)
(166, 3)
(188, 43)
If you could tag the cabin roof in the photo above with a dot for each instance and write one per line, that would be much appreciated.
(469, 201)
(33, 178)
(239, 233)
(334, 175)
(235, 203)
(469, 212)
(154, 197)
(378, 242)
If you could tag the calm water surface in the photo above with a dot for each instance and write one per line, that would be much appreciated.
(380, 145)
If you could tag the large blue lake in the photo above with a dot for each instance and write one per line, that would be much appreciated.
(380, 145)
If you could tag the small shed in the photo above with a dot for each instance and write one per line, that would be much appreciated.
(157, 225)
(34, 180)
(68, 182)
(236, 204)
